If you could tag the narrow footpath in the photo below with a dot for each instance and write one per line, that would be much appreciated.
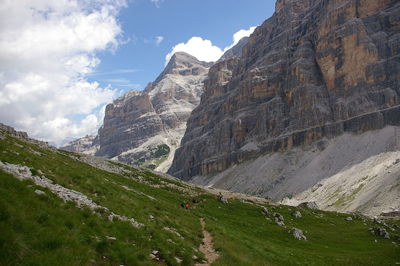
(207, 246)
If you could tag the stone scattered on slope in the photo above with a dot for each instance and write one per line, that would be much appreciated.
(222, 199)
(265, 211)
(24, 173)
(279, 220)
(309, 205)
(297, 214)
(380, 232)
(39, 192)
(298, 234)
(349, 218)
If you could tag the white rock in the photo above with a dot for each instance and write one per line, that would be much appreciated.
(39, 192)
(298, 234)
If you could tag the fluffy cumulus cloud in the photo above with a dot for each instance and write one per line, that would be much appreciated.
(47, 49)
(240, 35)
(204, 50)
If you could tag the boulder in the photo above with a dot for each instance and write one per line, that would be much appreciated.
(265, 211)
(380, 232)
(298, 234)
(309, 205)
(297, 214)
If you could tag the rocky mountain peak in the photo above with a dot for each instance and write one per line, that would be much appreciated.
(145, 127)
(184, 64)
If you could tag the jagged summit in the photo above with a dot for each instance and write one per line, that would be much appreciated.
(183, 58)
(184, 64)
(145, 127)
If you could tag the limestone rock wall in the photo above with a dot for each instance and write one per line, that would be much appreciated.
(316, 68)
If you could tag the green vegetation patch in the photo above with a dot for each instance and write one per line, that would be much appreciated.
(45, 230)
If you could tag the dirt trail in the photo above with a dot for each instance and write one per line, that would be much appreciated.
(207, 247)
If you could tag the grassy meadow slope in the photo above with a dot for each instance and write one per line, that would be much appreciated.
(45, 230)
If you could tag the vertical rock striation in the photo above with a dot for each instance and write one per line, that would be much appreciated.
(315, 69)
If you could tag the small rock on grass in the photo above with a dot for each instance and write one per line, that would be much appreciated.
(380, 232)
(297, 214)
(298, 234)
(39, 192)
(265, 211)
(309, 205)
(155, 252)
(223, 200)
(279, 223)
(279, 219)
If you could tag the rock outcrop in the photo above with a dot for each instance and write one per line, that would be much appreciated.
(86, 145)
(7, 130)
(145, 127)
(315, 70)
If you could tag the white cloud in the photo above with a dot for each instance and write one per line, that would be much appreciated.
(204, 50)
(240, 35)
(159, 40)
(47, 49)
(157, 3)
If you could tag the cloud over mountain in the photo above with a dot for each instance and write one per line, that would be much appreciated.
(205, 50)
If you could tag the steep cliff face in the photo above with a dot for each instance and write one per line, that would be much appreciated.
(145, 127)
(313, 71)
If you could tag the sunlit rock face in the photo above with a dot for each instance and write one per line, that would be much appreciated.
(316, 69)
(145, 127)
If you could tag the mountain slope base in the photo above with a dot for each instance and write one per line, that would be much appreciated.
(43, 229)
(287, 174)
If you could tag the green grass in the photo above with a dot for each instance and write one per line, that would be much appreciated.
(44, 230)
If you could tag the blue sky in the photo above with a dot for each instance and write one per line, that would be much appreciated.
(176, 21)
(62, 62)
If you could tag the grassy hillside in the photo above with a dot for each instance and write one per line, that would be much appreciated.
(45, 230)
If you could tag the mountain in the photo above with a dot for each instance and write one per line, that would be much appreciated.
(86, 145)
(63, 208)
(314, 93)
(235, 50)
(145, 127)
